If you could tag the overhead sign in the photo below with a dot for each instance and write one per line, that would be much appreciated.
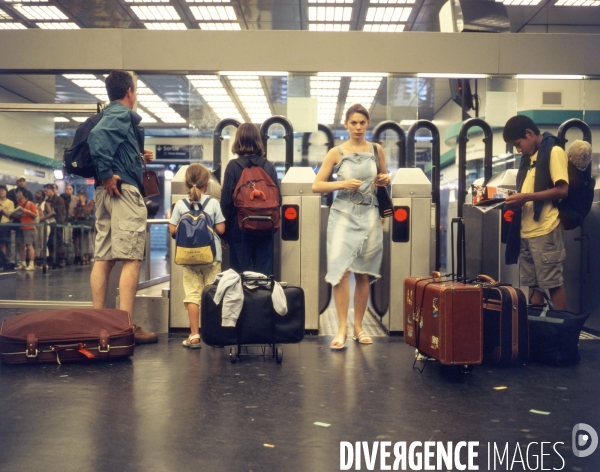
(172, 152)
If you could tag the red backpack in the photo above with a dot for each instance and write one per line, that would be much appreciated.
(256, 195)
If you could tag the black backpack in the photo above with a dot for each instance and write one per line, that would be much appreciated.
(77, 159)
(574, 208)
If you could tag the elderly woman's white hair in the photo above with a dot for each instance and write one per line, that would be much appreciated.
(580, 154)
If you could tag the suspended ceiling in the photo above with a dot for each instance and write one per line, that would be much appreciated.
(182, 97)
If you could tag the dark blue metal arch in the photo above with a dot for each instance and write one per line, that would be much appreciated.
(217, 143)
(289, 137)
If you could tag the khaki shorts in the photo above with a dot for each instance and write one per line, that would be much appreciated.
(120, 225)
(541, 260)
(195, 278)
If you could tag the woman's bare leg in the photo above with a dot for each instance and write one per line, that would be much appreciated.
(361, 297)
(341, 296)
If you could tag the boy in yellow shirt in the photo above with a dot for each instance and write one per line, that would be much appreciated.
(542, 180)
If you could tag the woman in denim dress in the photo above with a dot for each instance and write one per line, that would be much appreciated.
(354, 231)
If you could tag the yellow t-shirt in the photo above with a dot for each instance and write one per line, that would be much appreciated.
(549, 215)
(9, 206)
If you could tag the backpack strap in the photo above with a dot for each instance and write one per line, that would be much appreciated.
(203, 205)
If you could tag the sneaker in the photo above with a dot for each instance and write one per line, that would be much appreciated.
(30, 266)
(20, 266)
(142, 337)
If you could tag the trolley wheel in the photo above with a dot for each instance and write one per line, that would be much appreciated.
(233, 352)
(279, 355)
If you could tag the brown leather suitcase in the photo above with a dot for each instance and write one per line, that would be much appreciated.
(66, 336)
(505, 324)
(443, 319)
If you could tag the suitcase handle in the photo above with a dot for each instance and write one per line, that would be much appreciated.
(486, 279)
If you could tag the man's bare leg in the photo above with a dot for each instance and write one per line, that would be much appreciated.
(128, 284)
(99, 282)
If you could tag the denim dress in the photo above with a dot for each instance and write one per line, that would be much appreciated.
(354, 232)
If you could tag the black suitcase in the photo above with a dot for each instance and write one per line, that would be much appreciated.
(505, 324)
(258, 323)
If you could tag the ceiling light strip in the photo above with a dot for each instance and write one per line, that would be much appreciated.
(166, 26)
(443, 75)
(249, 91)
(58, 26)
(549, 77)
(388, 14)
(156, 13)
(329, 27)
(329, 14)
(12, 26)
(326, 89)
(40, 12)
(361, 90)
(214, 13)
(210, 88)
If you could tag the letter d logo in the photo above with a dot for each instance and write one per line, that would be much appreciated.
(589, 438)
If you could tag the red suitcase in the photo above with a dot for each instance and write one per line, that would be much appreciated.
(66, 336)
(443, 319)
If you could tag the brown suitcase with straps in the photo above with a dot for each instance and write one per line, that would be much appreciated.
(505, 324)
(68, 335)
(443, 319)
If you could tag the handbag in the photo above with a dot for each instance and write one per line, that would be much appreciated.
(554, 334)
(150, 181)
(149, 177)
(386, 207)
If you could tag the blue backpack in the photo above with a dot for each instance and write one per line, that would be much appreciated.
(194, 237)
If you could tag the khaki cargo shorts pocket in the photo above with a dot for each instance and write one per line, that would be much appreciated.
(554, 257)
(130, 239)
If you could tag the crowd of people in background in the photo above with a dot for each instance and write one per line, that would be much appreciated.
(46, 223)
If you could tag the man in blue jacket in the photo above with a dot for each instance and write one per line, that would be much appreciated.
(120, 208)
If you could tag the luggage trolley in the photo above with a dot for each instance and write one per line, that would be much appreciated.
(258, 325)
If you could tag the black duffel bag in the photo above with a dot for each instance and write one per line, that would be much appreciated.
(554, 334)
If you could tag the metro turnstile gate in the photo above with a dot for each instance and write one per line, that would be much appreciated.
(408, 233)
(301, 239)
(178, 314)
(483, 229)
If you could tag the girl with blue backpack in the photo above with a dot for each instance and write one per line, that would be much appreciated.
(197, 276)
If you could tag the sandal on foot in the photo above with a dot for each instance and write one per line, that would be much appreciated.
(189, 344)
(362, 338)
(341, 344)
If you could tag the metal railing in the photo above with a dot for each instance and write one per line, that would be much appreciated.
(45, 237)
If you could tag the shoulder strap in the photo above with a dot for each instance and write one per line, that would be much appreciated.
(203, 205)
(376, 154)
(339, 148)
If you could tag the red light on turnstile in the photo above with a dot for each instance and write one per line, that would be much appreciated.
(290, 213)
(401, 224)
(400, 214)
(290, 225)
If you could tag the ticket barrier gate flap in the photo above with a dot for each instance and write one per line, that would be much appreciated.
(178, 316)
(300, 258)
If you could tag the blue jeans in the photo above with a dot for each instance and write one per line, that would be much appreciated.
(255, 253)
